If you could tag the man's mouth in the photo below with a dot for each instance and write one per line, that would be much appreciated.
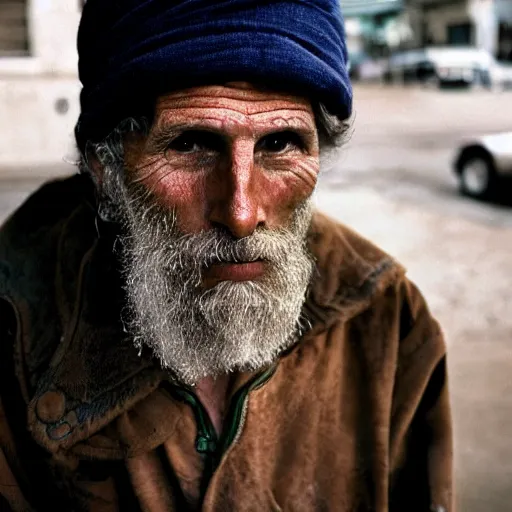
(239, 271)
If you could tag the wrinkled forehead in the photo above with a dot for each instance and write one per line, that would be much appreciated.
(237, 103)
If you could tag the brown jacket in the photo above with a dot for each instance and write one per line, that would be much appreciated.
(354, 418)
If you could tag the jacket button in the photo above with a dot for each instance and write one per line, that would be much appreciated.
(50, 408)
(59, 432)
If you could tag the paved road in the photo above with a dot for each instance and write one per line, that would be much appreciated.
(403, 142)
(392, 182)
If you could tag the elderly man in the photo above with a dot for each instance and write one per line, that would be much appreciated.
(178, 329)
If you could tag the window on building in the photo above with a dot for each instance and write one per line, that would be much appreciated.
(461, 34)
(505, 42)
(13, 28)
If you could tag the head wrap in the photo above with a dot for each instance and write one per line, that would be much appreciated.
(130, 51)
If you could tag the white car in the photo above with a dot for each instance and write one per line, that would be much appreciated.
(464, 65)
(457, 65)
(482, 163)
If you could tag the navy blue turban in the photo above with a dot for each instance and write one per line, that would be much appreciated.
(131, 51)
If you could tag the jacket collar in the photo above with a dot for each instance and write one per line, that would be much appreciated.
(96, 373)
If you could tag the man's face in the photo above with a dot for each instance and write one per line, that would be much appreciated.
(215, 205)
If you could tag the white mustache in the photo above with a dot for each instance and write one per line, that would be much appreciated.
(212, 247)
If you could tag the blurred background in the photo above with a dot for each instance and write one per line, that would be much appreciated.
(424, 174)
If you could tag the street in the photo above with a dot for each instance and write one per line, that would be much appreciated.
(393, 183)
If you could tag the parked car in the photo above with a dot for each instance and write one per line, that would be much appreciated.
(365, 68)
(448, 65)
(483, 163)
(409, 66)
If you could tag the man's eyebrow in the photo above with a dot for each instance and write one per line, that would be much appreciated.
(171, 129)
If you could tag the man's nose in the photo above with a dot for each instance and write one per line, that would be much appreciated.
(236, 198)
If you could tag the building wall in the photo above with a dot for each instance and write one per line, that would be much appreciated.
(430, 20)
(504, 10)
(39, 93)
(504, 14)
(439, 18)
(484, 15)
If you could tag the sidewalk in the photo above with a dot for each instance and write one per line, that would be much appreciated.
(463, 268)
(37, 174)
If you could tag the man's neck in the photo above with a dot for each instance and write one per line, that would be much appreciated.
(213, 395)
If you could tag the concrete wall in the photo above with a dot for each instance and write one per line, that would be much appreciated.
(39, 94)
(438, 19)
(484, 15)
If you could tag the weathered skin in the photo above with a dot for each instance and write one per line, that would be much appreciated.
(227, 173)
(234, 179)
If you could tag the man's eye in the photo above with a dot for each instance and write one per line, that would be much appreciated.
(195, 140)
(280, 142)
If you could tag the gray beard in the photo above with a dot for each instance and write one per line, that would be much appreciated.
(233, 326)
